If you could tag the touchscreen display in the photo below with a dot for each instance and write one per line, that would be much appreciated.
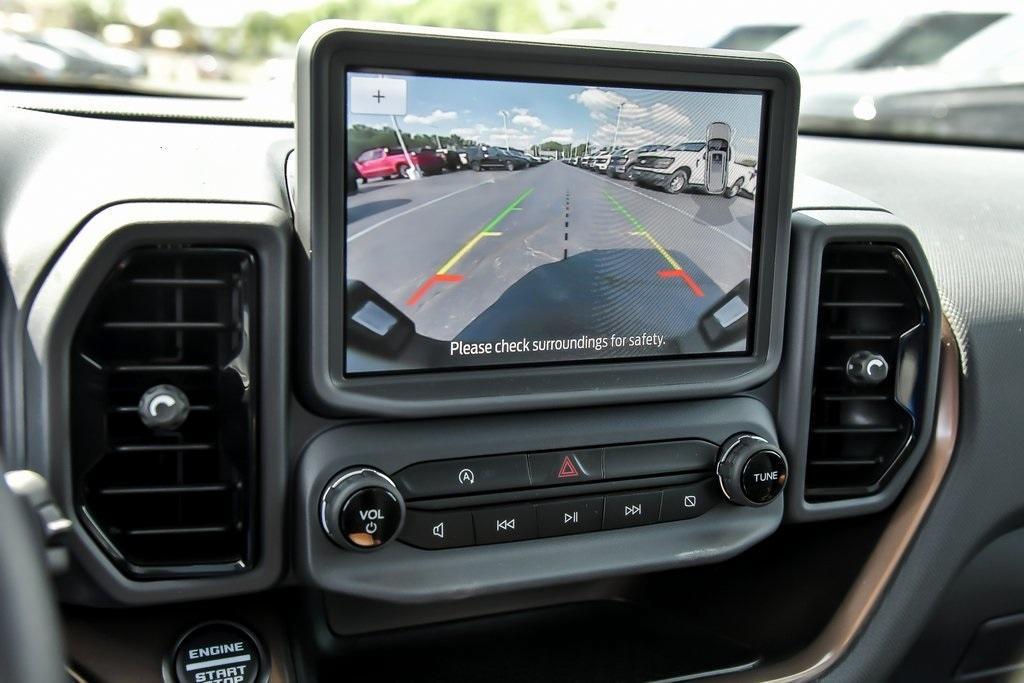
(497, 222)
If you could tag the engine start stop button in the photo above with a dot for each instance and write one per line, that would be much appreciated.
(218, 653)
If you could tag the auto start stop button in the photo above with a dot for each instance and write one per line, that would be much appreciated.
(218, 652)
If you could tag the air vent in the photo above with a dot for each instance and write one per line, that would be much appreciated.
(871, 309)
(169, 501)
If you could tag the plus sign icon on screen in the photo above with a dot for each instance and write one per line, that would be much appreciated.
(375, 95)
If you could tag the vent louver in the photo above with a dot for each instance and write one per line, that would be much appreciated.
(870, 303)
(169, 501)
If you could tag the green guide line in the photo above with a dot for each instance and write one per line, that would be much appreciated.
(621, 209)
(506, 211)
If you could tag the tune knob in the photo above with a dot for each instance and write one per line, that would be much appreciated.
(361, 509)
(751, 471)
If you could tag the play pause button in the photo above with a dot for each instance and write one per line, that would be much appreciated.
(570, 516)
(631, 509)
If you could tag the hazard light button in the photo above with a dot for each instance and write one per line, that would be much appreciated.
(566, 467)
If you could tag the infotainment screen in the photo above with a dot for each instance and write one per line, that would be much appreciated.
(509, 222)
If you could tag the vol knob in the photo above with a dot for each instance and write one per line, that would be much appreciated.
(361, 509)
(751, 471)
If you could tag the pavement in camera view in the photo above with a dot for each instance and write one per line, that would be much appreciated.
(444, 248)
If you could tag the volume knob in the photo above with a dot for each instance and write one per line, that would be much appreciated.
(361, 509)
(751, 471)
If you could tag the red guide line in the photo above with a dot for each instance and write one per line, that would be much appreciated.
(685, 277)
(430, 282)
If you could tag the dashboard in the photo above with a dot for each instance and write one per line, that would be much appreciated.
(287, 436)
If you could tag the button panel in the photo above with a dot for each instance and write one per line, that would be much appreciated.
(440, 529)
(486, 474)
(546, 474)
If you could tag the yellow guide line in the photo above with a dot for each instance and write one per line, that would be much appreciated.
(483, 233)
(460, 253)
(663, 251)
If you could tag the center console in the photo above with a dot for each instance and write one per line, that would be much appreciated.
(522, 500)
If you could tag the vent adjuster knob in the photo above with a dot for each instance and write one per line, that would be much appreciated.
(163, 406)
(867, 367)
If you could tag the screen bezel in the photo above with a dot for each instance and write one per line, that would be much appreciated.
(329, 51)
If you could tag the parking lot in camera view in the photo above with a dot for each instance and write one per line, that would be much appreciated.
(444, 248)
(475, 256)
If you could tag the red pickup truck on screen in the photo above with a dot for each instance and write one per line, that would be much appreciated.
(390, 162)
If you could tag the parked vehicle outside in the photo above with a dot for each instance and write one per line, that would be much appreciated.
(603, 159)
(753, 36)
(21, 59)
(88, 57)
(684, 166)
(622, 163)
(391, 162)
(743, 177)
(454, 159)
(879, 41)
(672, 169)
(529, 158)
(973, 93)
(482, 157)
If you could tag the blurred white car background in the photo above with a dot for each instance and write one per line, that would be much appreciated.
(951, 70)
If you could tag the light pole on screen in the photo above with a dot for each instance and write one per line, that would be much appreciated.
(504, 121)
(618, 117)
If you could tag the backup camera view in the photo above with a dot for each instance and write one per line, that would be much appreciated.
(498, 222)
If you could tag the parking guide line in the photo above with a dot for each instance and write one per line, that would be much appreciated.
(680, 273)
(677, 270)
(483, 233)
(442, 275)
(430, 282)
(416, 208)
(721, 232)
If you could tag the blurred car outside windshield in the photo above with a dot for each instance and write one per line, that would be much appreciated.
(907, 69)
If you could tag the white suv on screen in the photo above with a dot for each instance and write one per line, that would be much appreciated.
(672, 169)
(683, 166)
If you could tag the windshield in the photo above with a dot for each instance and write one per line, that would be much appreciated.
(911, 69)
(688, 147)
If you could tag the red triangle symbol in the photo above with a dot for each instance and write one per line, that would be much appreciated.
(568, 469)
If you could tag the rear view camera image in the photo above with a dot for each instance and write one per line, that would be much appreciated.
(493, 223)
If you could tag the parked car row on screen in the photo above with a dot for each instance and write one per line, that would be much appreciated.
(705, 165)
(394, 162)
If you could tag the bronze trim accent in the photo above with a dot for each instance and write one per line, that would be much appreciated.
(855, 610)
